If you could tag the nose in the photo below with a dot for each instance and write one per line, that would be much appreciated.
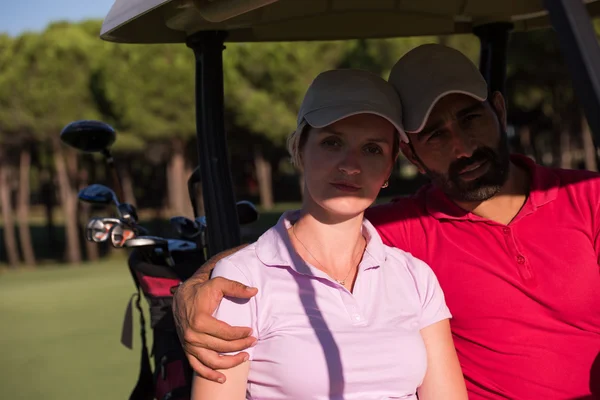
(350, 163)
(463, 144)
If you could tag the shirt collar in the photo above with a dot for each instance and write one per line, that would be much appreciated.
(274, 247)
(544, 189)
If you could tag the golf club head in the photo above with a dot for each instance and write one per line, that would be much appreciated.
(159, 246)
(147, 241)
(181, 245)
(88, 136)
(201, 221)
(247, 212)
(98, 194)
(98, 229)
(185, 227)
(128, 213)
(119, 234)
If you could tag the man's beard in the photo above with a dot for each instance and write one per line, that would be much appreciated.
(482, 188)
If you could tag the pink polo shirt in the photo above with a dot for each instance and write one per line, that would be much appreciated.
(525, 297)
(317, 340)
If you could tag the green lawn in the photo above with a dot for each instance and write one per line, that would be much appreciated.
(60, 333)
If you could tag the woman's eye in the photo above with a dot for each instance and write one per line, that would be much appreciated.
(373, 150)
(331, 142)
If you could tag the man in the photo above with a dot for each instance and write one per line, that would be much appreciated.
(515, 245)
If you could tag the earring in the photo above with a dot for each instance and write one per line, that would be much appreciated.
(385, 184)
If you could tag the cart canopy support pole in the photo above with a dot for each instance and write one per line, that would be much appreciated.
(213, 157)
(579, 45)
(492, 62)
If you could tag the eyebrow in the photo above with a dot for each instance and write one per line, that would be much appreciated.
(337, 133)
(468, 110)
(461, 113)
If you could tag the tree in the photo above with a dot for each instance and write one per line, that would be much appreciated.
(13, 120)
(558, 130)
(55, 82)
(264, 85)
(150, 90)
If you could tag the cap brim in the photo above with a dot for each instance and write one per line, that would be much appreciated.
(328, 115)
(421, 116)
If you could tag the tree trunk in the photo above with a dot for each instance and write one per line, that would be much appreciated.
(188, 210)
(195, 194)
(128, 193)
(47, 194)
(525, 141)
(263, 176)
(10, 240)
(23, 207)
(589, 150)
(86, 177)
(175, 179)
(565, 149)
(69, 204)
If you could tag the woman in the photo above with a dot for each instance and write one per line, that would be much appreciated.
(338, 314)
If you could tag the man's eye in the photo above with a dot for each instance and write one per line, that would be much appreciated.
(471, 117)
(434, 135)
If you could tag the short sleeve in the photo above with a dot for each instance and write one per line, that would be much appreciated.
(597, 235)
(235, 311)
(433, 302)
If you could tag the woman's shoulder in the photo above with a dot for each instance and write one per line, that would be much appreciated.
(250, 259)
(244, 259)
(406, 260)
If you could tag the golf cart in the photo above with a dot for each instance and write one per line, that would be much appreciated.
(205, 25)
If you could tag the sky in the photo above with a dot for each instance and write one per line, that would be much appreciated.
(17, 16)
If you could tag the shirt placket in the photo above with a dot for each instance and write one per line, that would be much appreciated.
(351, 301)
(515, 254)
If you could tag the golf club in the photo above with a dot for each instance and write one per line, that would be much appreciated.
(98, 229)
(91, 136)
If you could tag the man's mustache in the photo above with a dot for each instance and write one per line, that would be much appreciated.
(479, 155)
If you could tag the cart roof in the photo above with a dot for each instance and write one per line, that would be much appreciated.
(171, 21)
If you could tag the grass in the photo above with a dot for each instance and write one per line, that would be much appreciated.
(61, 330)
(61, 326)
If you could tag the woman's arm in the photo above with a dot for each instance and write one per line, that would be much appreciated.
(444, 378)
(234, 387)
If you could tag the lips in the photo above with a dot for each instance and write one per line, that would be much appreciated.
(472, 167)
(475, 170)
(346, 186)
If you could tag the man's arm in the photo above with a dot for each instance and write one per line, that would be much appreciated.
(203, 273)
(202, 336)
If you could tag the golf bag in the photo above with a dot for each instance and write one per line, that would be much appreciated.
(172, 375)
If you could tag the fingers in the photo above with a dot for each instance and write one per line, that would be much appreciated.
(209, 325)
(201, 341)
(213, 361)
(231, 288)
(216, 361)
(205, 372)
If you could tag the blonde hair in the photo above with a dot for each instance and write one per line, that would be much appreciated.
(295, 142)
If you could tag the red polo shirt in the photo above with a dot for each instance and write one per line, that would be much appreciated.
(525, 297)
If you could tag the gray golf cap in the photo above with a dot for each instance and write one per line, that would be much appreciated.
(429, 72)
(341, 93)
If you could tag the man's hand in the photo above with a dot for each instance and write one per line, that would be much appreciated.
(202, 336)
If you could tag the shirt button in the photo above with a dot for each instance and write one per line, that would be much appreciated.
(506, 230)
(521, 259)
(356, 317)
